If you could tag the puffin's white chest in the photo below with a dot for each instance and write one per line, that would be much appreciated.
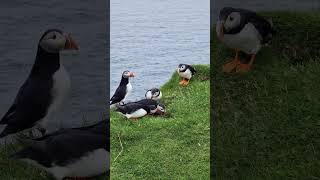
(128, 89)
(137, 114)
(186, 74)
(247, 40)
(95, 163)
(61, 87)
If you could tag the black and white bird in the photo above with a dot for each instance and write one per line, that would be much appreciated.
(135, 110)
(123, 89)
(46, 86)
(243, 30)
(70, 153)
(186, 72)
(154, 94)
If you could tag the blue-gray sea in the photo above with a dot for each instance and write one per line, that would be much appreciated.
(151, 37)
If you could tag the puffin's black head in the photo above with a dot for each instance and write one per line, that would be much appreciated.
(161, 109)
(153, 93)
(127, 74)
(55, 40)
(182, 67)
(229, 18)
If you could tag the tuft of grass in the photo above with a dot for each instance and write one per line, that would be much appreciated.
(174, 146)
(266, 122)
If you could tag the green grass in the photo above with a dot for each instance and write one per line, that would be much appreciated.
(267, 122)
(17, 170)
(173, 146)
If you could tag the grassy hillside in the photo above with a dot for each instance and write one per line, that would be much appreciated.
(267, 121)
(174, 146)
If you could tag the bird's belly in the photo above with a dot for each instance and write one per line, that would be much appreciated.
(248, 40)
(137, 114)
(128, 90)
(60, 89)
(186, 74)
(95, 163)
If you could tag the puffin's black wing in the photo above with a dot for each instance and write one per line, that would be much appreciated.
(100, 127)
(131, 107)
(118, 95)
(193, 71)
(30, 105)
(263, 26)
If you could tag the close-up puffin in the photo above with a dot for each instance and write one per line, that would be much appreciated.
(123, 89)
(243, 30)
(44, 89)
(135, 110)
(186, 72)
(70, 153)
(154, 94)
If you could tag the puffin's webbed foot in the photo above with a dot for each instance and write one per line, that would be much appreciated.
(182, 81)
(186, 82)
(242, 68)
(230, 66)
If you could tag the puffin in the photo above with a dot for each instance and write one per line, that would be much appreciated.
(123, 89)
(44, 89)
(153, 93)
(186, 72)
(243, 30)
(135, 110)
(70, 153)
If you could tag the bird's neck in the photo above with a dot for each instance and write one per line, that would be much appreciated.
(124, 81)
(46, 64)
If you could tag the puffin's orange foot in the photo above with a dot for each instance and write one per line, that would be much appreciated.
(186, 83)
(182, 82)
(230, 66)
(242, 68)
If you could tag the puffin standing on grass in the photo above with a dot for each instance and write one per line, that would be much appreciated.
(123, 89)
(154, 94)
(186, 72)
(135, 110)
(245, 31)
(45, 88)
(70, 153)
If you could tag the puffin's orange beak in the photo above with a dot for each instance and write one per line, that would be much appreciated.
(131, 74)
(70, 43)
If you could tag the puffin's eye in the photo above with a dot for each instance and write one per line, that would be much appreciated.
(231, 18)
(54, 36)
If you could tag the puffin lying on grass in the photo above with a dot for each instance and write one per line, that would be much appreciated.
(243, 30)
(154, 94)
(45, 88)
(135, 110)
(70, 153)
(123, 89)
(186, 72)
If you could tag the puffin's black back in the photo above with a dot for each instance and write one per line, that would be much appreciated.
(34, 97)
(67, 145)
(132, 107)
(120, 92)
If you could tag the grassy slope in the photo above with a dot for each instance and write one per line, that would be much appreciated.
(173, 146)
(267, 121)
